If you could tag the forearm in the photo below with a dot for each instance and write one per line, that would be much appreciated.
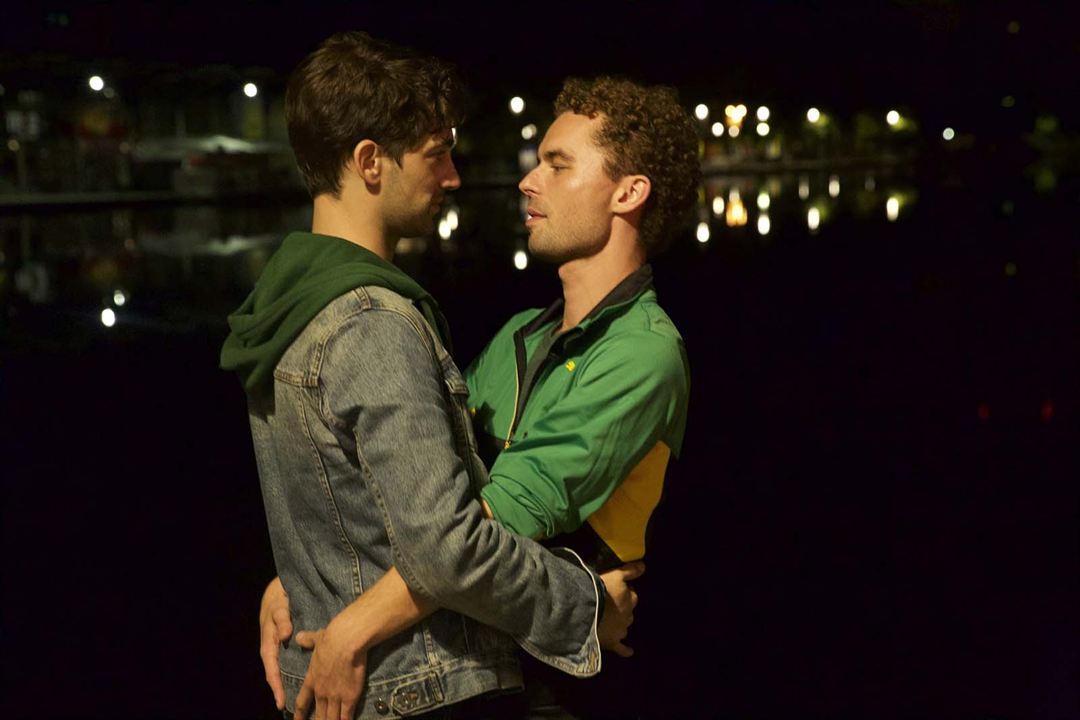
(383, 610)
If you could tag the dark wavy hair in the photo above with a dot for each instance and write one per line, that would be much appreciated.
(645, 131)
(354, 87)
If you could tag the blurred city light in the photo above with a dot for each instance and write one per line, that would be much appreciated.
(702, 232)
(108, 317)
(521, 260)
(763, 129)
(517, 105)
(1013, 27)
(528, 132)
(813, 114)
(763, 224)
(1008, 101)
(948, 133)
(740, 110)
(13, 145)
(1011, 269)
(251, 90)
(735, 215)
(718, 206)
(96, 83)
(729, 110)
(813, 219)
(763, 200)
(444, 229)
(893, 118)
(804, 187)
(733, 131)
(834, 186)
(701, 111)
(452, 218)
(763, 113)
(869, 184)
(717, 129)
(119, 298)
(892, 208)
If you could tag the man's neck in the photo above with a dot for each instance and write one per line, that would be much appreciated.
(587, 281)
(354, 222)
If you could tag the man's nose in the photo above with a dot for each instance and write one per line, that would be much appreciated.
(452, 181)
(528, 183)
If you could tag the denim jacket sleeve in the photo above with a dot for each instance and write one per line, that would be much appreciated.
(381, 380)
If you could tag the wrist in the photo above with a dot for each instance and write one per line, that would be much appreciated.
(354, 633)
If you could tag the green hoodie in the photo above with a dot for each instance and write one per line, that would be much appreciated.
(303, 276)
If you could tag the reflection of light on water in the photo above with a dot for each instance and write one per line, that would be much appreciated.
(521, 260)
(444, 229)
(703, 232)
(718, 206)
(763, 129)
(834, 186)
(733, 131)
(804, 187)
(735, 214)
(763, 224)
(763, 200)
(813, 219)
(119, 298)
(717, 129)
(892, 208)
(452, 218)
(108, 317)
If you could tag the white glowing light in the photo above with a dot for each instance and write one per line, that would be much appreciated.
(452, 218)
(813, 115)
(763, 200)
(834, 186)
(718, 205)
(701, 111)
(763, 224)
(119, 298)
(251, 90)
(763, 113)
(804, 188)
(740, 110)
(717, 129)
(813, 218)
(521, 260)
(893, 118)
(108, 317)
(517, 105)
(733, 131)
(96, 83)
(892, 208)
(703, 232)
(948, 133)
(762, 129)
(445, 229)
(730, 111)
(528, 132)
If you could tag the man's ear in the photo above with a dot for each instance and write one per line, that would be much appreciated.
(630, 194)
(367, 161)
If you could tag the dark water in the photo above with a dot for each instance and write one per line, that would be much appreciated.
(876, 514)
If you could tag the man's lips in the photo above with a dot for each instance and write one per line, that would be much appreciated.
(533, 215)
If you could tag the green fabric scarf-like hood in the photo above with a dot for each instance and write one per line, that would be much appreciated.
(305, 274)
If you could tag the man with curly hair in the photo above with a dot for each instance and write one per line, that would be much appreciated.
(578, 407)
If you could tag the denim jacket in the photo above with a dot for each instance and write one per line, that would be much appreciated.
(367, 459)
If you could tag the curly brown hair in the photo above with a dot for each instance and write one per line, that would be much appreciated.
(355, 87)
(645, 131)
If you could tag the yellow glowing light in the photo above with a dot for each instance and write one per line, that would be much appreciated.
(452, 218)
(763, 113)
(893, 118)
(1008, 101)
(717, 129)
(762, 129)
(718, 206)
(521, 260)
(813, 114)
(804, 187)
(444, 229)
(740, 110)
(517, 105)
(702, 232)
(1013, 27)
(734, 131)
(834, 186)
(1011, 269)
(763, 224)
(251, 90)
(96, 83)
(948, 133)
(892, 208)
(119, 298)
(763, 200)
(735, 215)
(730, 111)
(108, 317)
(528, 132)
(13, 145)
(813, 219)
(701, 111)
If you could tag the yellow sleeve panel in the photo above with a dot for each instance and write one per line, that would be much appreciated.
(620, 522)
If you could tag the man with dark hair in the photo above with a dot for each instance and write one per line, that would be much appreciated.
(579, 406)
(361, 432)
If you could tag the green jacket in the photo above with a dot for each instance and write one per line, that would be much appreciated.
(582, 450)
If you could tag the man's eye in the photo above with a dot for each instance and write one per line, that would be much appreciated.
(557, 168)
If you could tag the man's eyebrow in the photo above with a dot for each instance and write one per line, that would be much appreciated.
(444, 143)
(552, 155)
